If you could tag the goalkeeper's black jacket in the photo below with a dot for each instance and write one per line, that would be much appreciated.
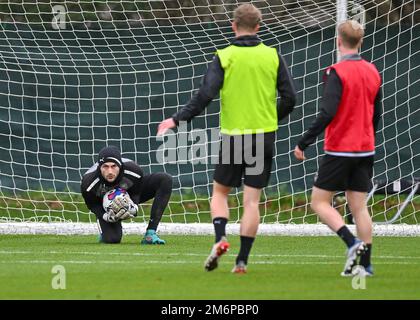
(212, 82)
(94, 186)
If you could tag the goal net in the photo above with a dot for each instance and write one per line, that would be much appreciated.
(79, 75)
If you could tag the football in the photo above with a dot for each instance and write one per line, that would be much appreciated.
(111, 195)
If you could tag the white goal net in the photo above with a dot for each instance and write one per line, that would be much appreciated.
(78, 75)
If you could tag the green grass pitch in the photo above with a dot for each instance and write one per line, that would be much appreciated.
(279, 268)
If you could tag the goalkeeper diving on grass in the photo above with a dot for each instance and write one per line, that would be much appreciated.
(124, 185)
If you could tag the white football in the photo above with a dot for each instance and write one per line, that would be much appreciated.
(111, 195)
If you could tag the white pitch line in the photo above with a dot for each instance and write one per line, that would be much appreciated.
(54, 262)
(95, 253)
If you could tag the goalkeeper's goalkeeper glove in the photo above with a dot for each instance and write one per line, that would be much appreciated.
(110, 216)
(119, 202)
(127, 212)
(124, 208)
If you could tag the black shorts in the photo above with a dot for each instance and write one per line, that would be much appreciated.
(248, 157)
(345, 173)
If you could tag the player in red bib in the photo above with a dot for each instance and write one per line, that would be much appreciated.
(350, 112)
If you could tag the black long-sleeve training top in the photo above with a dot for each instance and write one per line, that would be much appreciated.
(329, 106)
(212, 82)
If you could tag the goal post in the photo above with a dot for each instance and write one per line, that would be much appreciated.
(76, 76)
(341, 16)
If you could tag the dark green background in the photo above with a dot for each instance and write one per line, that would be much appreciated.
(66, 94)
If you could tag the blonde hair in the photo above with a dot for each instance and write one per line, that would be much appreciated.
(247, 16)
(351, 32)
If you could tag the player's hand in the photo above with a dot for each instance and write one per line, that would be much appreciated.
(122, 214)
(124, 208)
(120, 202)
(127, 212)
(299, 154)
(110, 216)
(165, 125)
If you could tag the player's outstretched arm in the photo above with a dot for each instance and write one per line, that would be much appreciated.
(209, 89)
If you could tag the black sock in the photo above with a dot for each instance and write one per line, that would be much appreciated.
(365, 258)
(345, 234)
(246, 245)
(220, 227)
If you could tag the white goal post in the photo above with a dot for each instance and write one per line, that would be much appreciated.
(78, 75)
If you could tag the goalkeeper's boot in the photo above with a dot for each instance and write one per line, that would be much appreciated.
(217, 251)
(151, 237)
(240, 268)
(100, 240)
(353, 253)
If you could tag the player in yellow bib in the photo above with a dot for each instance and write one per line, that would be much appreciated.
(249, 76)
